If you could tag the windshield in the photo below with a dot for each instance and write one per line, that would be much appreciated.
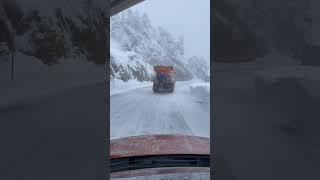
(159, 85)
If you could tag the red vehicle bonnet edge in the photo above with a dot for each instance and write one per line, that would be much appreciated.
(159, 144)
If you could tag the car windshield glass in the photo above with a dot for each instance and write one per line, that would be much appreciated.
(160, 89)
(159, 83)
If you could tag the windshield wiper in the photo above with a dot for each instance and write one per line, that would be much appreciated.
(141, 162)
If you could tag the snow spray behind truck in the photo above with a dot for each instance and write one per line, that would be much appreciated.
(164, 80)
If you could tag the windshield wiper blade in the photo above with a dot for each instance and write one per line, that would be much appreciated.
(140, 162)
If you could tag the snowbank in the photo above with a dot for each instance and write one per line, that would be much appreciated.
(32, 78)
(269, 69)
(195, 106)
(274, 59)
(270, 60)
(204, 85)
(118, 86)
(309, 77)
(201, 89)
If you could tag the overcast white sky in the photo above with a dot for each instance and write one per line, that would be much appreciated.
(187, 18)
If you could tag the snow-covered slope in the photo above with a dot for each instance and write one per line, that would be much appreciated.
(136, 46)
(57, 46)
(199, 67)
(53, 31)
(247, 29)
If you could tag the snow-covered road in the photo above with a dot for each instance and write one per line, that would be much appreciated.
(140, 111)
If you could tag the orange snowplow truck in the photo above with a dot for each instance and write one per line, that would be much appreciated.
(164, 79)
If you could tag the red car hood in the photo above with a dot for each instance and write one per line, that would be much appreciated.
(159, 145)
